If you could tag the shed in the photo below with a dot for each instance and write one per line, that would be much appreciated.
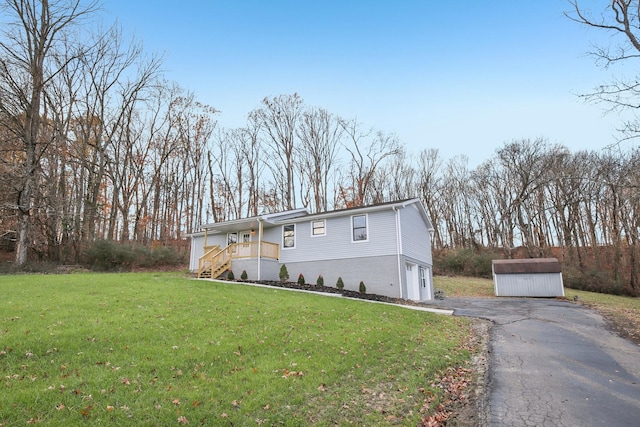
(535, 277)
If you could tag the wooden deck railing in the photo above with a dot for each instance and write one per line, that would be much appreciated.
(215, 261)
(205, 261)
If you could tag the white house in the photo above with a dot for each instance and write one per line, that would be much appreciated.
(387, 246)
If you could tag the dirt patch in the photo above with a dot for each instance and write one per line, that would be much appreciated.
(623, 322)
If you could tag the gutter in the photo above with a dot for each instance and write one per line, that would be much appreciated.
(398, 248)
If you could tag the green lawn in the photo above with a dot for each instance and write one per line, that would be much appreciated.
(460, 286)
(161, 349)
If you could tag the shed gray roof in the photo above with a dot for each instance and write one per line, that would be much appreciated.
(529, 265)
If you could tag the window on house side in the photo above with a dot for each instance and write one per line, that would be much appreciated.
(423, 277)
(318, 228)
(289, 236)
(359, 225)
(232, 238)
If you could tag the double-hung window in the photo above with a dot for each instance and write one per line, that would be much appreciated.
(359, 228)
(318, 228)
(289, 236)
(232, 239)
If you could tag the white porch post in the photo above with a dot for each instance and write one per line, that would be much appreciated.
(259, 249)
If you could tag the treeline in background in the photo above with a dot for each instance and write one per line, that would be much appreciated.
(104, 160)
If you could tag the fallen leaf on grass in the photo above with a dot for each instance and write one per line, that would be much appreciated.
(183, 420)
(287, 373)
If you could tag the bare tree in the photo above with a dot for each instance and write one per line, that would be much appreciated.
(367, 149)
(31, 40)
(320, 135)
(430, 187)
(620, 18)
(251, 156)
(278, 118)
(396, 179)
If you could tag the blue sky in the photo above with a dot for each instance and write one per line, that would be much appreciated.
(463, 77)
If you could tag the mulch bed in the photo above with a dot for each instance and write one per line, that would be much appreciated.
(332, 290)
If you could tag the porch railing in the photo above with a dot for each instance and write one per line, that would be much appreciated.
(215, 261)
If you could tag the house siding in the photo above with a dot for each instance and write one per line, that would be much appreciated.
(336, 243)
(379, 274)
(416, 240)
(197, 250)
(250, 265)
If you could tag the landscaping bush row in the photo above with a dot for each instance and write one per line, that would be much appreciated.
(284, 277)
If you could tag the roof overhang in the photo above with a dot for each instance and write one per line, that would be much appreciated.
(251, 223)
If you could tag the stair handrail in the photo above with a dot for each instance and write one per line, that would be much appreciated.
(206, 259)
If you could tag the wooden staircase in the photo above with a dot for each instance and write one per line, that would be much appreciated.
(214, 262)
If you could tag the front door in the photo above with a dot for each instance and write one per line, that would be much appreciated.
(245, 247)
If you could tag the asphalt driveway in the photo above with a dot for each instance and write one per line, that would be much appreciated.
(554, 363)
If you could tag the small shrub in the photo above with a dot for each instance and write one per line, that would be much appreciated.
(284, 274)
(149, 257)
(244, 276)
(300, 279)
(340, 283)
(105, 255)
(362, 288)
(320, 281)
(230, 275)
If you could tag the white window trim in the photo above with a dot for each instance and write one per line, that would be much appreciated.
(294, 237)
(366, 220)
(229, 234)
(325, 228)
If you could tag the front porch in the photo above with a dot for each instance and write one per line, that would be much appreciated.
(215, 261)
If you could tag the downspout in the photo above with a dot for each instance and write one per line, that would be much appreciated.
(398, 249)
(259, 248)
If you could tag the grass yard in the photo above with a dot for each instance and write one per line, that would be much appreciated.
(161, 349)
(459, 286)
(622, 313)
